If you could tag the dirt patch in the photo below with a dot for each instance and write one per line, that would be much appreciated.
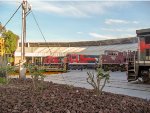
(19, 97)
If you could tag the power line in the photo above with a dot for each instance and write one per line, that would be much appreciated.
(11, 17)
(42, 33)
(40, 29)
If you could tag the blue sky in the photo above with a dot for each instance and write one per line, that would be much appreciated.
(62, 21)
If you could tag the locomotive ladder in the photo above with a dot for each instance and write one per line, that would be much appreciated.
(131, 70)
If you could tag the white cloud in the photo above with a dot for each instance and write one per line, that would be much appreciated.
(105, 37)
(119, 21)
(112, 30)
(11, 2)
(45, 6)
(102, 37)
(75, 8)
(121, 30)
(79, 32)
(115, 21)
(136, 22)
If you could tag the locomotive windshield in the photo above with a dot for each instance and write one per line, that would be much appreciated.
(147, 40)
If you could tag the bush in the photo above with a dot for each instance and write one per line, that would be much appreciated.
(36, 75)
(96, 80)
(5, 72)
(3, 80)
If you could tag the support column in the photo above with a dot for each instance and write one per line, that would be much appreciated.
(32, 60)
(41, 60)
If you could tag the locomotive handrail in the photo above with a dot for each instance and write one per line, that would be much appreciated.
(134, 61)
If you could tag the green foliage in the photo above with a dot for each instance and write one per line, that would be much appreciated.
(8, 69)
(96, 80)
(36, 74)
(11, 40)
(35, 71)
(3, 80)
(10, 59)
(1, 28)
(5, 72)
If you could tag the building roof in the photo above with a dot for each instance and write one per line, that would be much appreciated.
(82, 43)
(142, 32)
(62, 51)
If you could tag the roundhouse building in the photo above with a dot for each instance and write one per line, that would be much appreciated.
(36, 51)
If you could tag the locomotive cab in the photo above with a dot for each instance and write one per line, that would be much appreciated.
(111, 52)
(141, 66)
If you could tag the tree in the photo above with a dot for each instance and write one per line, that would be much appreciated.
(11, 41)
(2, 29)
(10, 44)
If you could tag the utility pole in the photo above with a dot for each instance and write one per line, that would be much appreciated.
(25, 11)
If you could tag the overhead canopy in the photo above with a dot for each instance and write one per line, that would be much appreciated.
(62, 51)
(82, 43)
(143, 32)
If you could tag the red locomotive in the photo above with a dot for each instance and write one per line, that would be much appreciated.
(53, 61)
(74, 61)
(110, 60)
(115, 60)
(140, 66)
(82, 61)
